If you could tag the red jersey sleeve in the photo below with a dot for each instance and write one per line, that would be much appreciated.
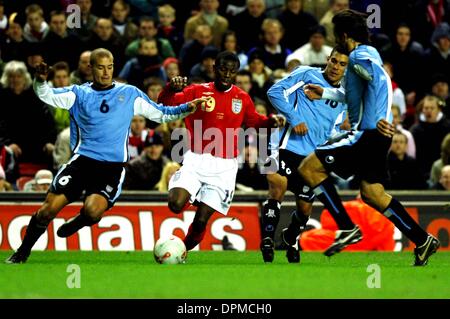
(253, 118)
(169, 97)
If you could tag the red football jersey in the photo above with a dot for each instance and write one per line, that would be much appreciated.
(224, 113)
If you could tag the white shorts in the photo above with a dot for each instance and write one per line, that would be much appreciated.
(209, 179)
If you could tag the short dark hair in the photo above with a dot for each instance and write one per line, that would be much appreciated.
(245, 73)
(353, 23)
(339, 49)
(225, 56)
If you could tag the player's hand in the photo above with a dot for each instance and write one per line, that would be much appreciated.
(385, 128)
(42, 70)
(196, 103)
(313, 91)
(178, 83)
(278, 120)
(301, 129)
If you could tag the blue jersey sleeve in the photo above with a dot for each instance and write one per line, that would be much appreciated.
(283, 95)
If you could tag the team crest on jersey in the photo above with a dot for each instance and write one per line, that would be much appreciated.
(236, 106)
(121, 98)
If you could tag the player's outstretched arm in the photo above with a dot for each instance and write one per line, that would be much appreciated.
(61, 98)
(316, 92)
(161, 113)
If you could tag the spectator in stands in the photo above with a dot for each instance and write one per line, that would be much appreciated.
(438, 56)
(148, 30)
(315, 52)
(398, 97)
(441, 162)
(245, 82)
(260, 72)
(397, 122)
(429, 132)
(15, 45)
(32, 140)
(326, 20)
(59, 77)
(252, 18)
(87, 20)
(148, 63)
(229, 43)
(126, 30)
(439, 88)
(166, 28)
(272, 52)
(296, 23)
(34, 56)
(403, 170)
(205, 68)
(41, 182)
(249, 177)
(36, 28)
(62, 152)
(59, 44)
(8, 163)
(4, 185)
(143, 172)
(444, 179)
(84, 72)
(191, 51)
(153, 86)
(169, 169)
(171, 68)
(207, 16)
(403, 54)
(3, 18)
(138, 135)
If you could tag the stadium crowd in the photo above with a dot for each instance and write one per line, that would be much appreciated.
(153, 41)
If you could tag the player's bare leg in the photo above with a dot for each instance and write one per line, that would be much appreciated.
(91, 213)
(178, 200)
(270, 214)
(38, 224)
(315, 175)
(197, 229)
(375, 196)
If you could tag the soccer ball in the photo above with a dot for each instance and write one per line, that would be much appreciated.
(170, 250)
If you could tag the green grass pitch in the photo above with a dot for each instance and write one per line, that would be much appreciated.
(223, 275)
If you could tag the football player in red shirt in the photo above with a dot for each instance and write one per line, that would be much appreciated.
(208, 174)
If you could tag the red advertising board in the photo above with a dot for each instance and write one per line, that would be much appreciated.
(131, 226)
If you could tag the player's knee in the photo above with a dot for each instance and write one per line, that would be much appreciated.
(176, 204)
(47, 212)
(93, 213)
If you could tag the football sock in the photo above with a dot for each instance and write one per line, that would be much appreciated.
(397, 214)
(34, 230)
(298, 223)
(269, 218)
(195, 234)
(327, 194)
(71, 227)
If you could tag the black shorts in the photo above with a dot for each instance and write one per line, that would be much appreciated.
(363, 154)
(288, 166)
(83, 174)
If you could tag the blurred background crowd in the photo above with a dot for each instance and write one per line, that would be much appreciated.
(155, 40)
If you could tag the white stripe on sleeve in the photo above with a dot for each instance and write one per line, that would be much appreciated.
(63, 100)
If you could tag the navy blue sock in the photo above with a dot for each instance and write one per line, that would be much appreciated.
(270, 217)
(34, 230)
(397, 214)
(297, 225)
(327, 194)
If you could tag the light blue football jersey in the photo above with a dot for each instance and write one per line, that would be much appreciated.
(322, 117)
(367, 89)
(100, 119)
